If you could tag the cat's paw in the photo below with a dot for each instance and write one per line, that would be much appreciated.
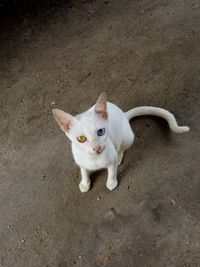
(112, 185)
(84, 187)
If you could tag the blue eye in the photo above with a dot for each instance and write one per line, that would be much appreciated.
(101, 131)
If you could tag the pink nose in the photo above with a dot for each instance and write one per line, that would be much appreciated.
(96, 148)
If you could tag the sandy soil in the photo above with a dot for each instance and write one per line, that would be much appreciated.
(63, 54)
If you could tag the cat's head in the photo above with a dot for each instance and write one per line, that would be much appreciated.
(89, 130)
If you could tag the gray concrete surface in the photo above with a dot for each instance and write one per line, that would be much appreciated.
(141, 53)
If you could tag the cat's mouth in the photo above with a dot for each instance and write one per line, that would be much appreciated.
(99, 151)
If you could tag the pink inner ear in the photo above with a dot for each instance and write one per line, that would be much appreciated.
(101, 106)
(64, 119)
(102, 113)
(66, 126)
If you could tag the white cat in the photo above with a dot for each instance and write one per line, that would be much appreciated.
(100, 136)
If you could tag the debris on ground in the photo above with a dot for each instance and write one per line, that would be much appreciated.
(173, 202)
(106, 258)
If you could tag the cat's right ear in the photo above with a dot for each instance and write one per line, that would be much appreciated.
(64, 119)
(101, 106)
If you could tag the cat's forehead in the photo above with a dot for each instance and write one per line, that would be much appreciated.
(91, 121)
(88, 127)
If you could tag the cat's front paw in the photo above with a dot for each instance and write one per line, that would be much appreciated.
(112, 185)
(84, 187)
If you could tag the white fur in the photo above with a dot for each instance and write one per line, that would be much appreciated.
(160, 112)
(118, 138)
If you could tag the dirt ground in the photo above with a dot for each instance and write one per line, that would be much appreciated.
(63, 54)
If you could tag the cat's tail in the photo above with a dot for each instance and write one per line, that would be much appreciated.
(159, 112)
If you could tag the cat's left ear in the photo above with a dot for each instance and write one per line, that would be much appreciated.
(101, 106)
(65, 120)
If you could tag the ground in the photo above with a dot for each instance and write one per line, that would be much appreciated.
(63, 55)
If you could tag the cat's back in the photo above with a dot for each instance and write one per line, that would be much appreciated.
(114, 111)
(116, 116)
(118, 125)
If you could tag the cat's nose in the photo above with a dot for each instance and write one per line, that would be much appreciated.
(96, 148)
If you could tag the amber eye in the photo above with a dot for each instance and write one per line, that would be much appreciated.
(82, 138)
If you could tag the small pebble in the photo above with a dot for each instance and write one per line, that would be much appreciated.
(80, 257)
(111, 214)
(23, 240)
(98, 198)
(8, 226)
(53, 103)
(173, 202)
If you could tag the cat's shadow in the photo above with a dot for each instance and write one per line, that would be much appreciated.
(149, 122)
(164, 134)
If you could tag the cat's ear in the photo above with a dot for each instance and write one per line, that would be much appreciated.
(64, 119)
(101, 106)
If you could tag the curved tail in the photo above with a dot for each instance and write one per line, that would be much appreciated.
(159, 112)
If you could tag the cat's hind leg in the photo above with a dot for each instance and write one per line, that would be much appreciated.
(120, 157)
(128, 138)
